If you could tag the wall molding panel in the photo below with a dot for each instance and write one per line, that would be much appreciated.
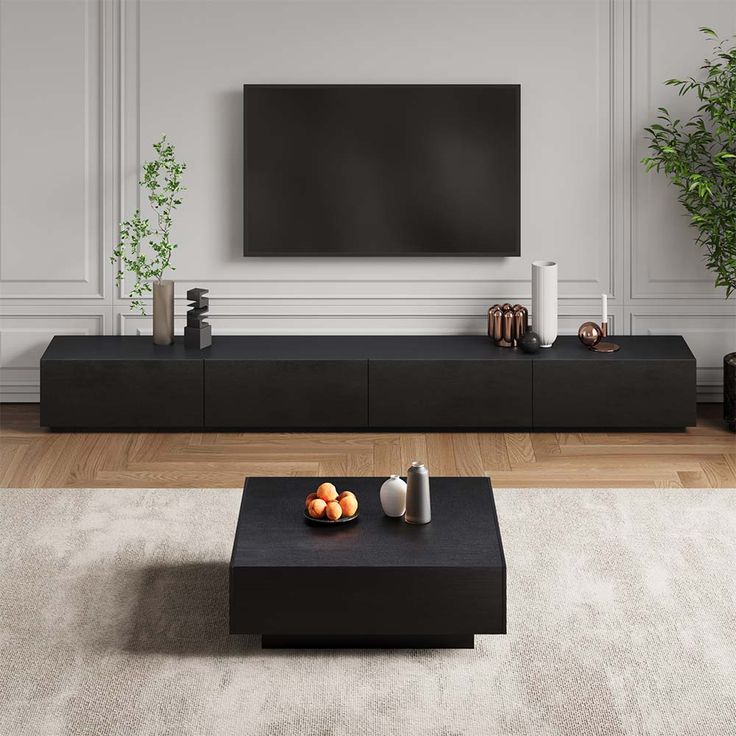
(664, 262)
(52, 218)
(702, 332)
(127, 74)
(506, 279)
(320, 320)
(24, 336)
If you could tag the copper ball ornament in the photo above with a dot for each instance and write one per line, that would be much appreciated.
(590, 334)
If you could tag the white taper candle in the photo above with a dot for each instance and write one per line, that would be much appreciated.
(604, 308)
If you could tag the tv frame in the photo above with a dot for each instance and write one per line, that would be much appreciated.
(514, 252)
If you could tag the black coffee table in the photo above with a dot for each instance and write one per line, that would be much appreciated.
(375, 582)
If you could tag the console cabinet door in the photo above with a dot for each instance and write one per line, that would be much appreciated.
(450, 393)
(286, 393)
(121, 394)
(624, 393)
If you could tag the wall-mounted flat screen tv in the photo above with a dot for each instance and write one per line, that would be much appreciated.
(382, 170)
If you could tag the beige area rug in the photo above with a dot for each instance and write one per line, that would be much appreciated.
(621, 617)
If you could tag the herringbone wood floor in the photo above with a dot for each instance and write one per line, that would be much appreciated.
(703, 456)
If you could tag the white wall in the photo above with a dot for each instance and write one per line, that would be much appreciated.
(87, 85)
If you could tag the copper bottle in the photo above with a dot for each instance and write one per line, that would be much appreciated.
(495, 324)
(507, 330)
(521, 322)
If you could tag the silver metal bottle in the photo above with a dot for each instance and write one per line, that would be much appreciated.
(418, 508)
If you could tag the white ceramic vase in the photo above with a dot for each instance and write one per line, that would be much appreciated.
(393, 496)
(544, 301)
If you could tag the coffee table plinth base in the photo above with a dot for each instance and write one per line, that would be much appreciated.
(368, 641)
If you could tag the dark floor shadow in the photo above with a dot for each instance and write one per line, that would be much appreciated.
(183, 609)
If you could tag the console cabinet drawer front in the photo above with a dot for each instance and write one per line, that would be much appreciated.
(122, 394)
(286, 393)
(636, 394)
(450, 393)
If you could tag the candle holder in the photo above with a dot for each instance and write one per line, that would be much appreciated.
(591, 335)
(605, 347)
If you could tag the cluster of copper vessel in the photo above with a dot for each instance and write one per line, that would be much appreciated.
(506, 324)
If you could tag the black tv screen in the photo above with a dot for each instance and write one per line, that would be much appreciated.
(382, 170)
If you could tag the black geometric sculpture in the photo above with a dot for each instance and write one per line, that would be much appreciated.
(198, 333)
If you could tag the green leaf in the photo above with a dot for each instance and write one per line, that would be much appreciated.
(145, 251)
(698, 156)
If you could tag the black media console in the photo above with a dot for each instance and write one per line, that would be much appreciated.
(376, 382)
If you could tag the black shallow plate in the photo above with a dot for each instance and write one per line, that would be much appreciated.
(328, 522)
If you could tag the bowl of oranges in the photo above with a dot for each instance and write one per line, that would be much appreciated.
(327, 506)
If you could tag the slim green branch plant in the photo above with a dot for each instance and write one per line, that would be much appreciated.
(699, 158)
(145, 251)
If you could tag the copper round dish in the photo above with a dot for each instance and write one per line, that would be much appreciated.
(605, 347)
(329, 522)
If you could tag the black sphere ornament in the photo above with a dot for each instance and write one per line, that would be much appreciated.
(529, 342)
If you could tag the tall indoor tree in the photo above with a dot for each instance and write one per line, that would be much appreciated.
(699, 158)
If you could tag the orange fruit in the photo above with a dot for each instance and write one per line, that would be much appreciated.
(333, 511)
(309, 500)
(316, 508)
(327, 492)
(349, 505)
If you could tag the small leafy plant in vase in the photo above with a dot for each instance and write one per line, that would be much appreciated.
(699, 158)
(145, 249)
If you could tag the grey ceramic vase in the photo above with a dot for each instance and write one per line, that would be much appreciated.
(163, 312)
(418, 505)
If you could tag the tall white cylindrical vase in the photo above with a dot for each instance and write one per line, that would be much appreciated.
(544, 301)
